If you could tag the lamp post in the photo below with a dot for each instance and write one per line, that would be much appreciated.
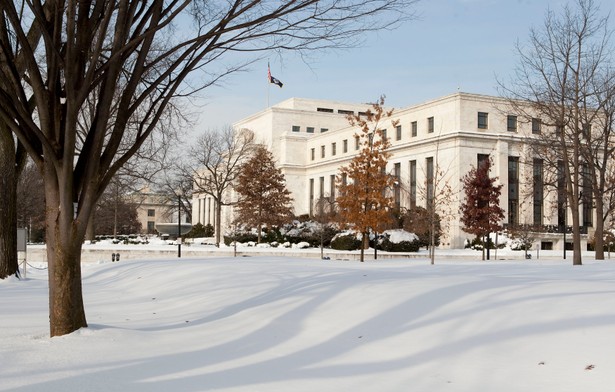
(179, 226)
(565, 216)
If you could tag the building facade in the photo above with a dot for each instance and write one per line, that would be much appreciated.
(311, 140)
(154, 208)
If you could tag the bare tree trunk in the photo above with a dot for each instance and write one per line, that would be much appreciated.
(599, 232)
(8, 206)
(576, 237)
(432, 241)
(64, 239)
(364, 244)
(90, 233)
(218, 221)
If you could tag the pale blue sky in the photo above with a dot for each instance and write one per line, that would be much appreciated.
(456, 44)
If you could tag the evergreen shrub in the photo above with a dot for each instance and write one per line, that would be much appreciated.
(346, 242)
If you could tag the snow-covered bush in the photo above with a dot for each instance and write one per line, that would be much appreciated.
(301, 245)
(399, 240)
(240, 237)
(308, 231)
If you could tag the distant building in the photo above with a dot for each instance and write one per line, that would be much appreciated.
(311, 140)
(153, 208)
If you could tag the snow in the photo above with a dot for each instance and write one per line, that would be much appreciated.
(291, 324)
(399, 235)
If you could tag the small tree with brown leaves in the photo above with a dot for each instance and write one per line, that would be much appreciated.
(364, 202)
(481, 213)
(263, 197)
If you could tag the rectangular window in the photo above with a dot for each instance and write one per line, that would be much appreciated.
(344, 179)
(322, 187)
(151, 227)
(357, 142)
(483, 120)
(332, 188)
(345, 146)
(429, 181)
(333, 148)
(413, 183)
(415, 127)
(323, 130)
(511, 123)
(151, 212)
(513, 190)
(586, 130)
(397, 185)
(430, 125)
(311, 197)
(309, 129)
(398, 132)
(384, 134)
(346, 112)
(324, 110)
(313, 153)
(322, 151)
(296, 128)
(536, 126)
(538, 191)
(481, 159)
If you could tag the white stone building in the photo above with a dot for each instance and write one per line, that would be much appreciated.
(311, 140)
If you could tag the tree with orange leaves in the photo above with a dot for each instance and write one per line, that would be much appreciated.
(364, 202)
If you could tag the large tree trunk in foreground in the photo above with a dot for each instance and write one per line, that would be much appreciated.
(64, 240)
(8, 206)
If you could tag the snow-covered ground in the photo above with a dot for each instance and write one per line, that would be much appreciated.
(283, 324)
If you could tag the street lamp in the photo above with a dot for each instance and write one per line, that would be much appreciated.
(565, 216)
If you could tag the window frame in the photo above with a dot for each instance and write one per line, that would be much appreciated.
(511, 123)
(483, 120)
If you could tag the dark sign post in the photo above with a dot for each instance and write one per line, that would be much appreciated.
(179, 226)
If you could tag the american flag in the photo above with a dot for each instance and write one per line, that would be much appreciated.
(272, 79)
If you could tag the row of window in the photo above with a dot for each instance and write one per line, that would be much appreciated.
(340, 111)
(429, 171)
(482, 123)
(297, 128)
(398, 136)
(511, 123)
(538, 192)
(513, 189)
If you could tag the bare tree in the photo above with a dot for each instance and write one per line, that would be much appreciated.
(30, 206)
(598, 150)
(439, 192)
(12, 159)
(554, 82)
(217, 158)
(92, 47)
